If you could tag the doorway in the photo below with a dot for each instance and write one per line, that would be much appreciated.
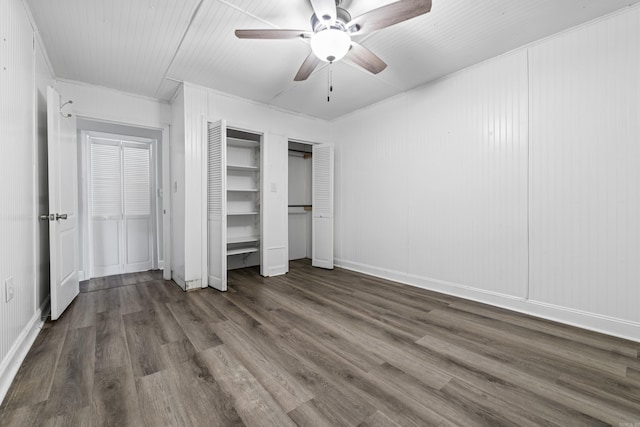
(121, 222)
(300, 204)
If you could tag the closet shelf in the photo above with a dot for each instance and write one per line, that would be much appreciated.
(246, 190)
(242, 213)
(242, 168)
(234, 142)
(242, 239)
(241, 251)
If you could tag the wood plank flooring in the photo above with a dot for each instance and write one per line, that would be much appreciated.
(314, 348)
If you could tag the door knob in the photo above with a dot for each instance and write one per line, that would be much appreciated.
(53, 217)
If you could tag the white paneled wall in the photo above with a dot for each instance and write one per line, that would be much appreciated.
(19, 317)
(515, 182)
(585, 169)
(176, 189)
(94, 102)
(372, 187)
(467, 145)
(436, 179)
(195, 102)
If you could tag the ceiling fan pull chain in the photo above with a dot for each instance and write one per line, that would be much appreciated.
(330, 77)
(329, 88)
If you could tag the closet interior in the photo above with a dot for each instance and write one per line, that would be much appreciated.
(300, 205)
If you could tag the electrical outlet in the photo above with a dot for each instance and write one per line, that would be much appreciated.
(8, 289)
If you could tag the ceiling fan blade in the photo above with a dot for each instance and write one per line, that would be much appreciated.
(307, 67)
(363, 57)
(271, 33)
(325, 10)
(388, 15)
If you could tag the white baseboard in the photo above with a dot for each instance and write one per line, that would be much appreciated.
(277, 270)
(179, 280)
(193, 284)
(17, 353)
(582, 319)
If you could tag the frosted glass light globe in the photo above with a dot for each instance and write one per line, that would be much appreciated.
(330, 45)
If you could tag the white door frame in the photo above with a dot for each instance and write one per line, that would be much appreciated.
(311, 143)
(166, 181)
(87, 229)
(204, 191)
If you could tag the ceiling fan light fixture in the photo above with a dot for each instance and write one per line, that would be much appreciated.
(330, 45)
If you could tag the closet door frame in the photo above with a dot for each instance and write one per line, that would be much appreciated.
(205, 192)
(86, 198)
(311, 143)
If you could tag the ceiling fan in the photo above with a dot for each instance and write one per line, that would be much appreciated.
(333, 29)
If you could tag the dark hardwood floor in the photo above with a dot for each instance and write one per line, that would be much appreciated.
(314, 348)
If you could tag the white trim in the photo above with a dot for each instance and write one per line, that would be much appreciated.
(179, 280)
(166, 202)
(18, 352)
(204, 194)
(582, 319)
(190, 285)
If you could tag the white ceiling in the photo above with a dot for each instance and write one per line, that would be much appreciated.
(148, 46)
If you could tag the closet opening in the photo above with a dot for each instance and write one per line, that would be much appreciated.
(120, 200)
(300, 206)
(234, 204)
(310, 202)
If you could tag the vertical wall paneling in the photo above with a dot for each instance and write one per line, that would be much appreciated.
(515, 182)
(195, 104)
(444, 169)
(585, 193)
(372, 186)
(176, 188)
(18, 189)
(467, 165)
(274, 205)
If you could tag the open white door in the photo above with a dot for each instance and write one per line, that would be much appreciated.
(322, 200)
(63, 205)
(216, 205)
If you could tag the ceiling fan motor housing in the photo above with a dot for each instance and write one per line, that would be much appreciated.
(343, 17)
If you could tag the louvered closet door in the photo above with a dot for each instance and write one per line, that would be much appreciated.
(137, 220)
(217, 205)
(105, 207)
(322, 201)
(120, 207)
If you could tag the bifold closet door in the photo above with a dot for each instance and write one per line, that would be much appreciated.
(322, 201)
(216, 205)
(106, 208)
(137, 222)
(120, 207)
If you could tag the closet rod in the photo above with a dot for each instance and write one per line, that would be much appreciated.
(300, 151)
